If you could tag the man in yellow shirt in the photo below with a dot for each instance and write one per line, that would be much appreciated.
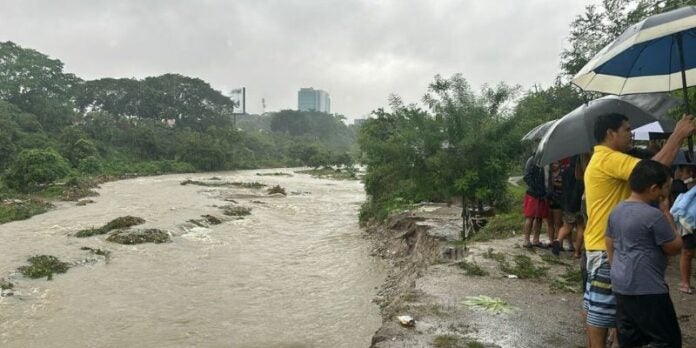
(606, 184)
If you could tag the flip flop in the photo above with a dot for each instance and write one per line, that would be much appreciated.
(540, 245)
(686, 290)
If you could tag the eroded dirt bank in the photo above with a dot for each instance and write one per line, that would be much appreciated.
(432, 276)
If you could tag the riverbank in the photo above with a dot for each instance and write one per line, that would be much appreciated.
(490, 293)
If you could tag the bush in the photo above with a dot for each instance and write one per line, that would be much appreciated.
(90, 165)
(35, 168)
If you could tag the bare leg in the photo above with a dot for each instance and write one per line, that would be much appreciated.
(614, 337)
(569, 238)
(550, 227)
(527, 229)
(685, 268)
(564, 231)
(536, 230)
(579, 240)
(557, 216)
(597, 336)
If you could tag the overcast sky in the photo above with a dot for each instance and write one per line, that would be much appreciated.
(360, 51)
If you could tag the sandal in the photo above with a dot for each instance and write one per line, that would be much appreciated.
(527, 245)
(539, 245)
(686, 290)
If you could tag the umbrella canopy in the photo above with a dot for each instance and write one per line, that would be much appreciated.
(538, 132)
(650, 56)
(643, 132)
(573, 133)
(647, 57)
(681, 159)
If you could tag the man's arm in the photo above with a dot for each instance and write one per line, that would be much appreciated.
(685, 127)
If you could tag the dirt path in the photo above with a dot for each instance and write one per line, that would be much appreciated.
(428, 284)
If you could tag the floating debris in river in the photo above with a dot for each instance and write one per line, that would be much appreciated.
(406, 320)
(236, 211)
(120, 222)
(43, 266)
(276, 189)
(150, 235)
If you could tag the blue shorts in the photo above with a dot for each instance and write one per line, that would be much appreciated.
(599, 302)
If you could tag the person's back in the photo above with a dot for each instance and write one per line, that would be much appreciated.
(534, 178)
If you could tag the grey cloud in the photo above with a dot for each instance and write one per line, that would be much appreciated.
(360, 51)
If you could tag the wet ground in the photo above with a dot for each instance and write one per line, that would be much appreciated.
(431, 287)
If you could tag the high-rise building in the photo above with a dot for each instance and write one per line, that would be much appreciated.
(310, 99)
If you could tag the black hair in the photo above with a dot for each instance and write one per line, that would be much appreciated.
(640, 153)
(647, 173)
(606, 122)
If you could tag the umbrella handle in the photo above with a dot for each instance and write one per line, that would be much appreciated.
(680, 47)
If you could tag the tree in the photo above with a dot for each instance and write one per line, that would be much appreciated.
(36, 168)
(36, 83)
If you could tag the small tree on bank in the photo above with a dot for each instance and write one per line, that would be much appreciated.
(36, 168)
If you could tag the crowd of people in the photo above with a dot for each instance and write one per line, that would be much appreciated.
(618, 200)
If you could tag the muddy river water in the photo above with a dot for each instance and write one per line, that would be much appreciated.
(294, 273)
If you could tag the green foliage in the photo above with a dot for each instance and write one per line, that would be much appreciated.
(277, 189)
(150, 235)
(43, 266)
(524, 268)
(120, 222)
(5, 285)
(471, 268)
(460, 148)
(22, 209)
(491, 304)
(447, 341)
(35, 168)
(36, 84)
(90, 165)
(236, 211)
(500, 226)
(570, 281)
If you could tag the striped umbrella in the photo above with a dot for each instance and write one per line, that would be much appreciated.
(657, 54)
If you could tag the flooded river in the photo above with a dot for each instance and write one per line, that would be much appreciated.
(294, 273)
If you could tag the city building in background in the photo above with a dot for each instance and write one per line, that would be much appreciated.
(310, 99)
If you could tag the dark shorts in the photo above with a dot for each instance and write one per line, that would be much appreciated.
(534, 207)
(689, 241)
(647, 319)
(554, 204)
(575, 218)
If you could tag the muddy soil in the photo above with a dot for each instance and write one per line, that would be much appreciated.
(423, 247)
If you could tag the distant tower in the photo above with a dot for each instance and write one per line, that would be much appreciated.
(263, 106)
(310, 99)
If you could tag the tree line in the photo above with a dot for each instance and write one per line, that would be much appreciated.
(55, 125)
